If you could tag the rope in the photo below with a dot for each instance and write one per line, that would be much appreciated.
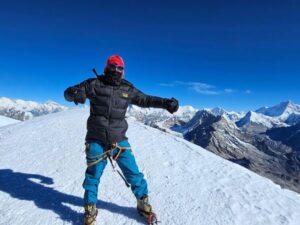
(96, 162)
(109, 154)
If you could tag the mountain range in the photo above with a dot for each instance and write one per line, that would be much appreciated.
(24, 110)
(265, 141)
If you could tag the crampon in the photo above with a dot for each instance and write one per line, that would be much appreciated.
(145, 210)
(150, 217)
(90, 214)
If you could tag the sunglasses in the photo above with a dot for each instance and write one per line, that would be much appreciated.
(115, 67)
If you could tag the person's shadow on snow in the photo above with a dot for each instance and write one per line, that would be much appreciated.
(19, 185)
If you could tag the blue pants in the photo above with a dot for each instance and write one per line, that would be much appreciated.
(125, 161)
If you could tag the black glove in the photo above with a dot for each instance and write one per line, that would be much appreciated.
(171, 105)
(80, 97)
(75, 94)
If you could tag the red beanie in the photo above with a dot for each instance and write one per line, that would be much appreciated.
(117, 60)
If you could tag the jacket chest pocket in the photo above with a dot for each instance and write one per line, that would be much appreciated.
(121, 100)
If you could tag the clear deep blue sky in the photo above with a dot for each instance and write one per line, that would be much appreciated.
(238, 55)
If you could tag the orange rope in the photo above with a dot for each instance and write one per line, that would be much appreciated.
(106, 154)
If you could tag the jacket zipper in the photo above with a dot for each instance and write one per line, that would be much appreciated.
(108, 117)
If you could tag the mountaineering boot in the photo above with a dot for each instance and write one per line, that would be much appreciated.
(145, 210)
(90, 214)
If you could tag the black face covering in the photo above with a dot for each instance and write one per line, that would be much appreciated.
(113, 77)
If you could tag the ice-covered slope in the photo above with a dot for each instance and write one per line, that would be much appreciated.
(42, 166)
(6, 121)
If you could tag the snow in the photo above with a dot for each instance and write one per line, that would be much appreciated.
(18, 103)
(281, 111)
(6, 121)
(253, 117)
(233, 116)
(188, 185)
(162, 119)
(23, 110)
(184, 113)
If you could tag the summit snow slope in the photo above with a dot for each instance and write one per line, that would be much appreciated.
(7, 121)
(42, 166)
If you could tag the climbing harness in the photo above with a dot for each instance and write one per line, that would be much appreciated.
(109, 154)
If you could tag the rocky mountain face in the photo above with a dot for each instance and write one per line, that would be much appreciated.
(289, 136)
(24, 110)
(249, 147)
(266, 141)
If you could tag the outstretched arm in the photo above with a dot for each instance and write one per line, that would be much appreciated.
(143, 100)
(77, 93)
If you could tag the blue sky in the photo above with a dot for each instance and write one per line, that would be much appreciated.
(238, 55)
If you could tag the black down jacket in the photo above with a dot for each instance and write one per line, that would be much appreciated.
(108, 105)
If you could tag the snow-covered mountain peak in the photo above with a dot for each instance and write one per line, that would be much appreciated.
(217, 111)
(204, 116)
(257, 118)
(184, 110)
(50, 102)
(283, 110)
